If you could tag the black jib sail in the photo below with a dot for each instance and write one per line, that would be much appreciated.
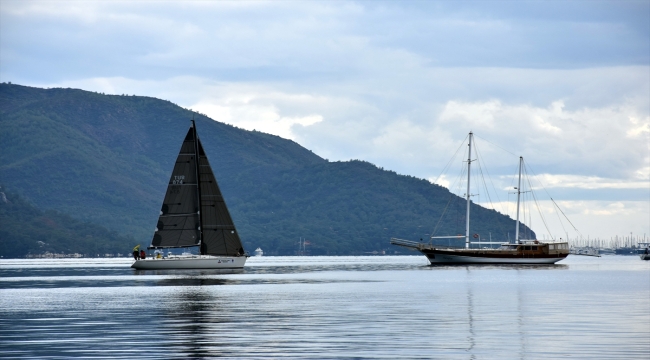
(179, 224)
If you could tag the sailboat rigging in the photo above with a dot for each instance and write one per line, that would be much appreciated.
(194, 214)
(521, 251)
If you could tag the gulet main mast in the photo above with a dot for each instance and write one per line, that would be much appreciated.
(469, 165)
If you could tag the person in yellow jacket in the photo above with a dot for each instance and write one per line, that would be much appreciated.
(136, 252)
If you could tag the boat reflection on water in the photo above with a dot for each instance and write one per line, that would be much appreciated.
(189, 272)
(191, 318)
(470, 316)
(191, 277)
(499, 313)
(477, 267)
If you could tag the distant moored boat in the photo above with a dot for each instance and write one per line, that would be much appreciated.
(644, 251)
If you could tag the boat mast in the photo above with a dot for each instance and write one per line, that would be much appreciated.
(469, 164)
(198, 186)
(521, 162)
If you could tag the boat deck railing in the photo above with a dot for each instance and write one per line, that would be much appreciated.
(407, 243)
(428, 245)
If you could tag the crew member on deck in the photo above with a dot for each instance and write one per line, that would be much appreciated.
(143, 255)
(136, 252)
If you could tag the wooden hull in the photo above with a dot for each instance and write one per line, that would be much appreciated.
(461, 256)
(193, 262)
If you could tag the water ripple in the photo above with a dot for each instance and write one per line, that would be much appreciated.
(326, 308)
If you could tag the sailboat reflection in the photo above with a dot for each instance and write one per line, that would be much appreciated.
(189, 317)
(190, 277)
(189, 272)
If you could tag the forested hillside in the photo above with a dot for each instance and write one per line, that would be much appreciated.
(25, 229)
(106, 159)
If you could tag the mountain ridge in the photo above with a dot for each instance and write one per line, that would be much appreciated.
(106, 159)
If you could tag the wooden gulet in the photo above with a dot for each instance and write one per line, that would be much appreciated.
(521, 252)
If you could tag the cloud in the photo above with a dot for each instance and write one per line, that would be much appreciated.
(550, 181)
(399, 84)
(229, 40)
(594, 143)
(603, 145)
(250, 116)
(639, 128)
(596, 219)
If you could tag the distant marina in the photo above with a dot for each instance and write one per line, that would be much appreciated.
(585, 251)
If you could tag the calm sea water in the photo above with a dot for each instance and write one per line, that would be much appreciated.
(327, 307)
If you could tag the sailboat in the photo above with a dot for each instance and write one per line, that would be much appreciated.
(521, 251)
(194, 214)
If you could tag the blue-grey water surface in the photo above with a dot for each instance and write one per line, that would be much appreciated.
(327, 307)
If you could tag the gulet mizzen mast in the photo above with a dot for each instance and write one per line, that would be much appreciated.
(521, 163)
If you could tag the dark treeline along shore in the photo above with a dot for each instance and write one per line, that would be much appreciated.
(95, 167)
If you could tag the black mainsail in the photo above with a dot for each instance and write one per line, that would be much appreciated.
(194, 212)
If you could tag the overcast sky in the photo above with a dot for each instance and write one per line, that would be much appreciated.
(566, 84)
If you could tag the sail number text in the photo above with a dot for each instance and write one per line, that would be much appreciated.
(177, 180)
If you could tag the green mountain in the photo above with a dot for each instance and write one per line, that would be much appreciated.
(106, 159)
(26, 229)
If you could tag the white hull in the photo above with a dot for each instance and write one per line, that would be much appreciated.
(194, 262)
(459, 259)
